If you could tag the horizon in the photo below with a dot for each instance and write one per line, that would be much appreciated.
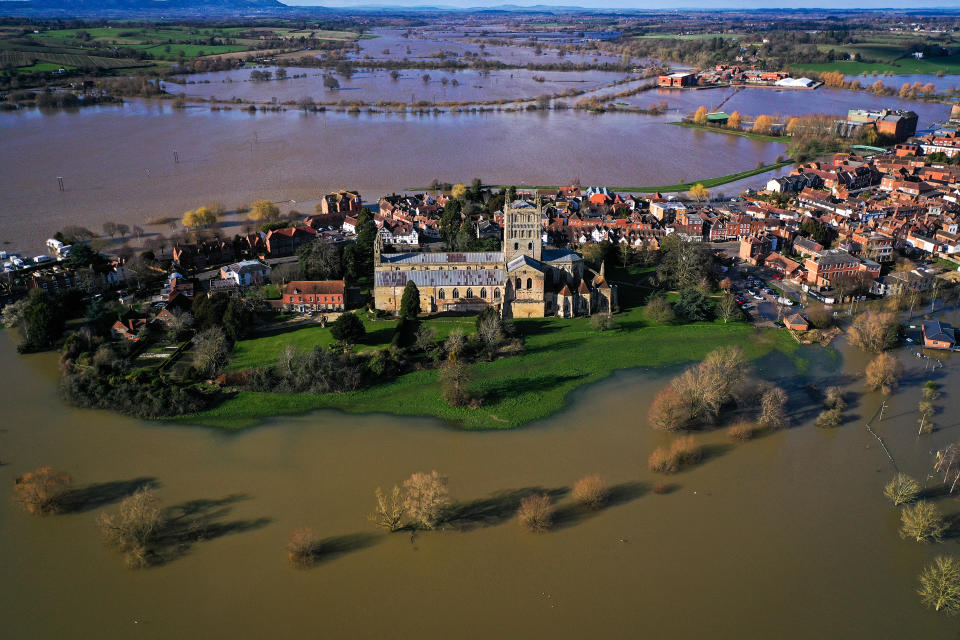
(705, 5)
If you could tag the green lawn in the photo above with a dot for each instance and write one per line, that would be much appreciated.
(561, 356)
(263, 351)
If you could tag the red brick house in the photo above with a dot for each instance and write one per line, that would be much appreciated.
(938, 335)
(797, 322)
(314, 295)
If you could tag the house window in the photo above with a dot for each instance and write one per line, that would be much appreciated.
(529, 283)
(516, 246)
(530, 246)
(496, 294)
(456, 294)
(518, 285)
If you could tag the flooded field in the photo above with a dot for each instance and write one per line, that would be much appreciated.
(942, 83)
(376, 85)
(787, 536)
(390, 44)
(118, 162)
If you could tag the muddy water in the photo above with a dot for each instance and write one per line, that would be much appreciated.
(427, 44)
(376, 85)
(783, 537)
(118, 162)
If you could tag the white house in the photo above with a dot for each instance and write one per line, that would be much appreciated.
(245, 273)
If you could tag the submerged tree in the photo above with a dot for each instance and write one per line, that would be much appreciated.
(940, 585)
(902, 489)
(922, 522)
(134, 528)
(390, 511)
(425, 498)
(591, 491)
(883, 374)
(536, 512)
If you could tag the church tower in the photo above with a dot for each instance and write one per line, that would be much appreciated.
(522, 233)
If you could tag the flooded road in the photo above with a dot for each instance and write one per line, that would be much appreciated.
(787, 536)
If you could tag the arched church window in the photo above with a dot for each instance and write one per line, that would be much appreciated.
(456, 294)
(529, 283)
(469, 293)
(441, 295)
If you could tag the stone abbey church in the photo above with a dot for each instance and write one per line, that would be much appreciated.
(524, 280)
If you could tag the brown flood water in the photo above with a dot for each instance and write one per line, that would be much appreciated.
(118, 162)
(784, 537)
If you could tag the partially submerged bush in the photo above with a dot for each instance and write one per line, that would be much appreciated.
(833, 399)
(40, 491)
(744, 430)
(389, 512)
(883, 374)
(829, 419)
(591, 491)
(134, 528)
(303, 548)
(536, 512)
(683, 451)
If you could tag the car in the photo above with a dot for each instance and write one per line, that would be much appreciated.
(757, 296)
(746, 307)
(777, 276)
(768, 291)
(786, 301)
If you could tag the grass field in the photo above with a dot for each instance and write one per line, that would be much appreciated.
(263, 351)
(561, 356)
(907, 66)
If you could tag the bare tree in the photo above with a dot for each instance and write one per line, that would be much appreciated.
(883, 374)
(947, 462)
(772, 404)
(425, 498)
(390, 511)
(922, 522)
(591, 491)
(940, 585)
(874, 332)
(902, 489)
(133, 529)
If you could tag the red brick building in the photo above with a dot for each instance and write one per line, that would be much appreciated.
(314, 295)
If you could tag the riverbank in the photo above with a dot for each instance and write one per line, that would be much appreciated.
(669, 188)
(561, 356)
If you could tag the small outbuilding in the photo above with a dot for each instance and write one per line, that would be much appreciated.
(797, 322)
(938, 335)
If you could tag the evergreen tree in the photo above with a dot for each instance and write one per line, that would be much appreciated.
(410, 302)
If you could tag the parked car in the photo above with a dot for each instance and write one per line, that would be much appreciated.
(747, 306)
(785, 301)
(777, 276)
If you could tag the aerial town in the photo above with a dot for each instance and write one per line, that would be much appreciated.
(479, 320)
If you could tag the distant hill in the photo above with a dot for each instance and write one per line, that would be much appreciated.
(138, 7)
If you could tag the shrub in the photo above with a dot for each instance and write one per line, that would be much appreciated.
(902, 489)
(940, 585)
(133, 529)
(591, 491)
(40, 491)
(348, 328)
(659, 310)
(883, 374)
(536, 512)
(744, 430)
(454, 380)
(669, 411)
(829, 419)
(834, 399)
(772, 404)
(660, 461)
(303, 548)
(931, 391)
(922, 522)
(660, 487)
(425, 498)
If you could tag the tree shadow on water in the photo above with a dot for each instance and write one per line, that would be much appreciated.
(619, 494)
(196, 521)
(333, 547)
(495, 509)
(101, 494)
